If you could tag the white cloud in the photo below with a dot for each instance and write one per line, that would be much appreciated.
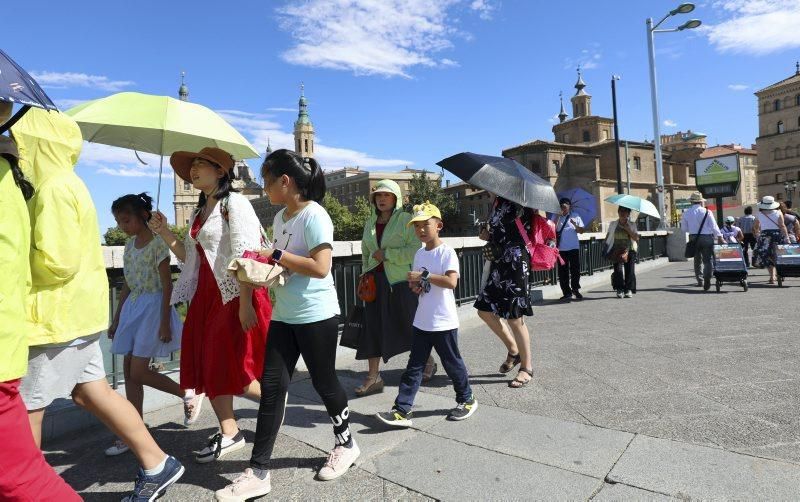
(66, 104)
(587, 60)
(670, 123)
(57, 80)
(370, 37)
(280, 109)
(738, 87)
(755, 26)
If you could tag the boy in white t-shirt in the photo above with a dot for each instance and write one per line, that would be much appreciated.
(433, 277)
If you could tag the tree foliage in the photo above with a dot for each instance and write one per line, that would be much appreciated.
(116, 237)
(347, 225)
(422, 188)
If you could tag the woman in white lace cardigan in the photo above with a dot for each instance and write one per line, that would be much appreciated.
(225, 332)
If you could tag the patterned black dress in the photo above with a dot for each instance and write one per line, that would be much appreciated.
(505, 293)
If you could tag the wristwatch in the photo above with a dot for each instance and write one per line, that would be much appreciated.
(276, 255)
(425, 280)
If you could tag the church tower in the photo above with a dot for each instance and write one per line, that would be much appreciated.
(562, 115)
(303, 128)
(581, 101)
(185, 195)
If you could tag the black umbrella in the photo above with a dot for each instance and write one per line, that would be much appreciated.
(504, 177)
(17, 86)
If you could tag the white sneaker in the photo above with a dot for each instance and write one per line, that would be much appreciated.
(628, 294)
(219, 446)
(245, 487)
(118, 448)
(339, 460)
(619, 294)
(191, 408)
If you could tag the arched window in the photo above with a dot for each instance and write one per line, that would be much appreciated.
(780, 127)
(566, 137)
(776, 105)
(586, 136)
(777, 154)
(797, 100)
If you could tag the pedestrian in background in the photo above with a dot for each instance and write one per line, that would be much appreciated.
(388, 245)
(568, 226)
(225, 332)
(746, 223)
(69, 298)
(702, 228)
(145, 324)
(622, 243)
(770, 230)
(731, 234)
(791, 221)
(505, 295)
(24, 472)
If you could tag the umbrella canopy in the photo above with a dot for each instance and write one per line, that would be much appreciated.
(634, 203)
(504, 177)
(583, 203)
(157, 124)
(17, 86)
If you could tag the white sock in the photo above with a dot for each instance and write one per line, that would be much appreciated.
(157, 469)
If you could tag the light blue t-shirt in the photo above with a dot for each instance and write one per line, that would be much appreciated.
(569, 236)
(303, 299)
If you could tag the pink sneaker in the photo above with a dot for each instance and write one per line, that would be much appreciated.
(339, 460)
(246, 486)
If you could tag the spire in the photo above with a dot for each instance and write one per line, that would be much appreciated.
(183, 91)
(562, 115)
(580, 84)
(302, 115)
(797, 68)
(269, 147)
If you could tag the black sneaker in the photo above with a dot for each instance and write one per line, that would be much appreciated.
(219, 446)
(149, 488)
(578, 296)
(706, 284)
(395, 418)
(464, 410)
(566, 298)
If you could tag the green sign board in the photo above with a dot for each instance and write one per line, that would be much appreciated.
(682, 203)
(718, 176)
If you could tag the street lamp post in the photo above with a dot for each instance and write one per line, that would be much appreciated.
(683, 8)
(790, 188)
(614, 79)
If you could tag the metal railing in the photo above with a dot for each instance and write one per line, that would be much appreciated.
(346, 271)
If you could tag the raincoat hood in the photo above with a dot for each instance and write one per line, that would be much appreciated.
(387, 186)
(48, 143)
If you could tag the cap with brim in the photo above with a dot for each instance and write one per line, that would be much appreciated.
(424, 212)
(696, 197)
(768, 202)
(181, 161)
(380, 189)
(730, 219)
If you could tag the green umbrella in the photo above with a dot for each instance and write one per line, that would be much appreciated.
(634, 203)
(157, 124)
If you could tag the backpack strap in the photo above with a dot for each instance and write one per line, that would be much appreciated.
(524, 235)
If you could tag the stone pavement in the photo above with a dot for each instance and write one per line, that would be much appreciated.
(672, 394)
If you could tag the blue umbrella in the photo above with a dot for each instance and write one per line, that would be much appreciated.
(17, 86)
(583, 203)
(634, 203)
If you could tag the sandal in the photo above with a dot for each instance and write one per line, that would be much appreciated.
(507, 366)
(373, 388)
(516, 383)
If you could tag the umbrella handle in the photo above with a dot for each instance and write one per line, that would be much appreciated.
(13, 120)
(158, 193)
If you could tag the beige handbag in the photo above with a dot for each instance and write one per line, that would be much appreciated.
(258, 273)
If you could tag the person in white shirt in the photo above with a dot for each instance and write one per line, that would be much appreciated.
(731, 234)
(702, 228)
(746, 223)
(433, 276)
(770, 230)
(568, 226)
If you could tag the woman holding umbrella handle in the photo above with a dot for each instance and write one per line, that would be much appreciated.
(225, 332)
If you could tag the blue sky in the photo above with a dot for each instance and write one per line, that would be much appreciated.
(404, 82)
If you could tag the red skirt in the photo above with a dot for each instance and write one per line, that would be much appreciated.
(217, 356)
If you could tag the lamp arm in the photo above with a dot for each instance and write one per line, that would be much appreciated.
(662, 20)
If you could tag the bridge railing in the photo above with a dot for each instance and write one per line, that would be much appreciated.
(347, 269)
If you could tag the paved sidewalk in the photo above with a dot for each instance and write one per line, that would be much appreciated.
(672, 394)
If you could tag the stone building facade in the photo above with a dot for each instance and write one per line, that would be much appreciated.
(683, 141)
(778, 142)
(583, 155)
(473, 205)
(350, 183)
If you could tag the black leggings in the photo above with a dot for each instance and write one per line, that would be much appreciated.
(316, 342)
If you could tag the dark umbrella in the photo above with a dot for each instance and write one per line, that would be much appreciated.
(504, 177)
(17, 86)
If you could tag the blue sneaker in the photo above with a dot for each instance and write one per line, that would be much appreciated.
(149, 488)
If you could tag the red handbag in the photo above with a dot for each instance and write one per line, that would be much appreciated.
(367, 290)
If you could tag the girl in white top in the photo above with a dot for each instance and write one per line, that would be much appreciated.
(145, 325)
(770, 230)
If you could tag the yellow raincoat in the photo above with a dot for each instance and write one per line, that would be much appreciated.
(14, 244)
(69, 297)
